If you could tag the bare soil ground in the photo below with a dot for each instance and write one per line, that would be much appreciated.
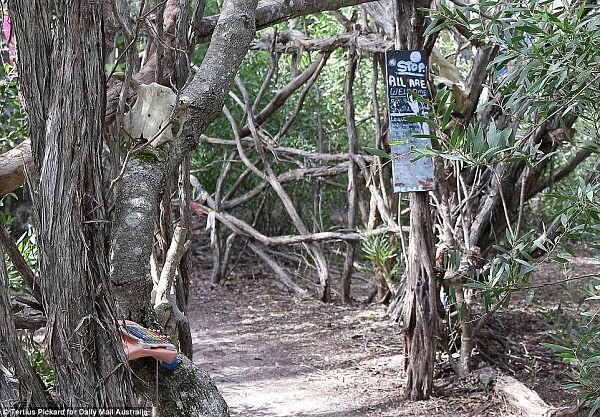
(273, 354)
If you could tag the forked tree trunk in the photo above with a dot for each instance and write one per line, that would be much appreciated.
(187, 391)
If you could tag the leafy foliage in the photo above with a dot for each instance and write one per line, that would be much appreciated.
(27, 245)
(379, 250)
(543, 51)
(582, 351)
(42, 368)
(13, 124)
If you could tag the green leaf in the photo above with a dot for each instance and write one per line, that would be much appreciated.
(590, 195)
(441, 98)
(540, 245)
(596, 405)
(456, 137)
(436, 25)
(593, 360)
(506, 302)
(418, 119)
(377, 152)
(448, 114)
(530, 296)
(560, 260)
(556, 348)
(581, 10)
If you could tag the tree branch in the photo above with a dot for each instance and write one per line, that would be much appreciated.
(244, 229)
(285, 150)
(21, 265)
(283, 276)
(14, 167)
(292, 40)
(271, 12)
(292, 175)
(563, 172)
(176, 250)
(282, 95)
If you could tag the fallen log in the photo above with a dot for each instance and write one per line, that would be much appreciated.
(526, 402)
(15, 165)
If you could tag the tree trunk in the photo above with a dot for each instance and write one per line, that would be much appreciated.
(420, 302)
(8, 395)
(215, 245)
(182, 285)
(383, 291)
(66, 132)
(137, 197)
(187, 391)
(352, 173)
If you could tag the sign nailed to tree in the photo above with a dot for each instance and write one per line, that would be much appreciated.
(406, 79)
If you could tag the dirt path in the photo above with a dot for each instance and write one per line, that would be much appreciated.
(271, 354)
(276, 355)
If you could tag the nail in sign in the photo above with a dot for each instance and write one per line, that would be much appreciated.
(407, 78)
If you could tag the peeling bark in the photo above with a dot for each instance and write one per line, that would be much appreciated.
(380, 12)
(8, 395)
(420, 319)
(58, 56)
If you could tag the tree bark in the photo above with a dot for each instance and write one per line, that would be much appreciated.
(380, 12)
(9, 399)
(352, 173)
(66, 132)
(421, 299)
(187, 391)
(420, 302)
(182, 285)
(139, 191)
(137, 196)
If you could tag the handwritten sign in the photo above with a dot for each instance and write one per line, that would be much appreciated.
(407, 78)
